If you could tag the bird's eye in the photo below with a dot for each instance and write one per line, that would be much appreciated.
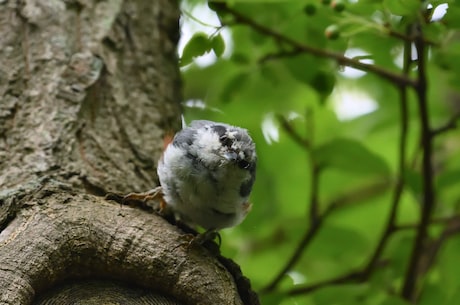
(226, 141)
(243, 164)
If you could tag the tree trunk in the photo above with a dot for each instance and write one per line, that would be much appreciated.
(88, 88)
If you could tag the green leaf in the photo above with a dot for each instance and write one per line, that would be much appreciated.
(266, 76)
(413, 180)
(449, 270)
(272, 298)
(340, 294)
(302, 67)
(403, 7)
(345, 237)
(351, 156)
(454, 299)
(218, 45)
(323, 82)
(452, 17)
(198, 45)
(433, 294)
(448, 57)
(448, 178)
(393, 300)
(447, 187)
(240, 59)
(233, 86)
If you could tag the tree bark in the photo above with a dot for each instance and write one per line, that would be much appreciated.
(88, 89)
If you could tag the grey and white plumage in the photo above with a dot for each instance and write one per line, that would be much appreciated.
(207, 172)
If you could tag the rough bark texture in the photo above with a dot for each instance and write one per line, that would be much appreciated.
(87, 90)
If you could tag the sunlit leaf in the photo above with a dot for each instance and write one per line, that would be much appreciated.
(198, 45)
(218, 45)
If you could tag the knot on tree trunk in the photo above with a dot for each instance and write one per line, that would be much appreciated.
(55, 234)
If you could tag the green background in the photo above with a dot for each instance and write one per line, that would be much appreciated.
(261, 81)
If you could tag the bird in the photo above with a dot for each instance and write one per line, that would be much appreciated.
(206, 174)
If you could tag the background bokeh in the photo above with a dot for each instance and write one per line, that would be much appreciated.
(309, 112)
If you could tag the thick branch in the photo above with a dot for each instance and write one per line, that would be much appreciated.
(303, 142)
(85, 236)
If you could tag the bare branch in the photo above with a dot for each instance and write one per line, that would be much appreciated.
(448, 126)
(399, 186)
(427, 205)
(298, 46)
(293, 133)
(342, 201)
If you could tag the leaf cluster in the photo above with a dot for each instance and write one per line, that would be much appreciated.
(362, 210)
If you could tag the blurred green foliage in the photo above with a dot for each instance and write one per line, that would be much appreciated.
(278, 92)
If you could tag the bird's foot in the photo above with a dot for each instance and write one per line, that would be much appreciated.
(141, 199)
(155, 194)
(206, 239)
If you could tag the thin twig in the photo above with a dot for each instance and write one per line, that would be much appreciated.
(358, 276)
(385, 28)
(293, 133)
(344, 200)
(450, 125)
(315, 169)
(431, 250)
(452, 227)
(399, 186)
(409, 288)
(281, 54)
(435, 221)
(314, 190)
(304, 242)
(315, 172)
(355, 276)
(351, 277)
(338, 57)
(200, 22)
(316, 219)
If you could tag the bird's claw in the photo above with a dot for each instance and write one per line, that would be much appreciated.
(142, 199)
(154, 194)
(205, 239)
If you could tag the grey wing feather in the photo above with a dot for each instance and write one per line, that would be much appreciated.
(186, 136)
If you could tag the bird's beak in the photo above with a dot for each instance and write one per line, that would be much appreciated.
(231, 156)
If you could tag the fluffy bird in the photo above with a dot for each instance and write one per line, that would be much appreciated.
(206, 174)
